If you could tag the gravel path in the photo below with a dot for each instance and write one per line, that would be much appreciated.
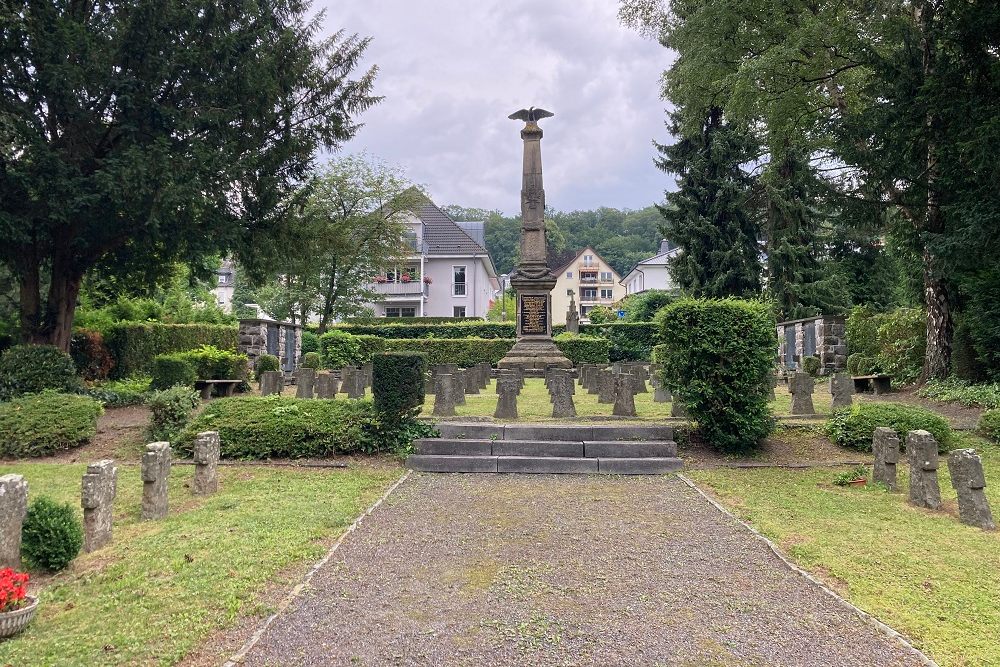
(561, 570)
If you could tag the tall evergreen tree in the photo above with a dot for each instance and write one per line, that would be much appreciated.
(709, 216)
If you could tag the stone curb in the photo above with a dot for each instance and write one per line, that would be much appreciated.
(863, 615)
(238, 657)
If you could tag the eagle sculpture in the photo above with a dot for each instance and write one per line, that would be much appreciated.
(531, 115)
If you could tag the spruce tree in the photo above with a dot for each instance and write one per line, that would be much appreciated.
(709, 217)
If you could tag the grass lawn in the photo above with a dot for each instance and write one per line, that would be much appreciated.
(924, 573)
(163, 587)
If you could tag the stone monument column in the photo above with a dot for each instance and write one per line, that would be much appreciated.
(532, 280)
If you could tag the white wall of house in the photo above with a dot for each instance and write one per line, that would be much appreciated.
(648, 276)
(447, 298)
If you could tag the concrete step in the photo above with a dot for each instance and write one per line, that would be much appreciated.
(585, 449)
(562, 432)
(544, 464)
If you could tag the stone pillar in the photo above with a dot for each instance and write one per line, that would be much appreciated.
(885, 447)
(13, 508)
(624, 386)
(271, 382)
(155, 473)
(508, 386)
(458, 386)
(100, 485)
(206, 462)
(572, 316)
(772, 382)
(606, 386)
(801, 385)
(841, 389)
(966, 469)
(326, 386)
(304, 382)
(922, 456)
(473, 378)
(444, 398)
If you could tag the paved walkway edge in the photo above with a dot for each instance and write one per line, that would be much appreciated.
(863, 615)
(237, 657)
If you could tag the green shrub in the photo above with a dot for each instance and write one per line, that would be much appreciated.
(989, 425)
(984, 395)
(266, 363)
(659, 353)
(867, 365)
(134, 346)
(339, 349)
(630, 341)
(422, 328)
(602, 315)
(462, 351)
(853, 360)
(891, 343)
(981, 312)
(171, 370)
(29, 369)
(90, 355)
(310, 360)
(51, 535)
(643, 307)
(398, 382)
(583, 349)
(854, 427)
(717, 357)
(170, 411)
(259, 427)
(122, 393)
(811, 366)
(212, 363)
(310, 342)
(42, 424)
(862, 331)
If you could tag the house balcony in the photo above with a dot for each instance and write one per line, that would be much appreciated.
(596, 281)
(412, 289)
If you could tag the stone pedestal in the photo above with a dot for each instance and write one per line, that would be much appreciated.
(99, 487)
(206, 462)
(155, 470)
(13, 508)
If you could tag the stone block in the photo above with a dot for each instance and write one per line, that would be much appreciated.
(922, 457)
(546, 464)
(326, 386)
(453, 447)
(967, 477)
(630, 450)
(13, 508)
(537, 448)
(305, 382)
(650, 466)
(801, 387)
(841, 390)
(451, 463)
(155, 473)
(444, 395)
(98, 490)
(206, 463)
(885, 447)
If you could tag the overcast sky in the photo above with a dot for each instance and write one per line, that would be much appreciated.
(452, 71)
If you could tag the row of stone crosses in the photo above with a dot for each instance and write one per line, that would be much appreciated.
(98, 490)
(615, 384)
(964, 465)
(353, 381)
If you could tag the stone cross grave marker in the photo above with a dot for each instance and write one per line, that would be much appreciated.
(458, 386)
(271, 382)
(561, 395)
(801, 386)
(885, 447)
(326, 386)
(155, 473)
(206, 463)
(444, 398)
(966, 469)
(624, 388)
(99, 488)
(305, 382)
(922, 456)
(606, 386)
(13, 508)
(508, 387)
(841, 389)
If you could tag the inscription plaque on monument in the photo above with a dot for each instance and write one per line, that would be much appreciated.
(534, 315)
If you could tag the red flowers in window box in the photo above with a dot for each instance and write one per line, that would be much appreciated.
(427, 280)
(405, 277)
(13, 589)
(380, 279)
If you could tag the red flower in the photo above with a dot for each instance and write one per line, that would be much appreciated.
(13, 588)
(427, 280)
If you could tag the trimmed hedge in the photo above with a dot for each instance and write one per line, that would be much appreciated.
(583, 349)
(423, 320)
(134, 346)
(630, 341)
(398, 381)
(717, 358)
(989, 425)
(170, 370)
(462, 351)
(420, 328)
(854, 427)
(45, 423)
(257, 427)
(29, 369)
(207, 362)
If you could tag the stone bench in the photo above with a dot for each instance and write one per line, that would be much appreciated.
(879, 383)
(226, 387)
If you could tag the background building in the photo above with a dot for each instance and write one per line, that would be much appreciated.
(592, 280)
(652, 273)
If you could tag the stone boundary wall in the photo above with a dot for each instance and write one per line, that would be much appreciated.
(828, 334)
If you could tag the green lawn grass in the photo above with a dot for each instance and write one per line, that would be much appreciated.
(932, 578)
(163, 587)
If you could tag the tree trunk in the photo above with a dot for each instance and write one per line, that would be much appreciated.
(51, 324)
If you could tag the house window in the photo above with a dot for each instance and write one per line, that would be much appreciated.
(588, 260)
(458, 311)
(458, 280)
(588, 293)
(569, 274)
(410, 238)
(606, 294)
(223, 279)
(588, 276)
(400, 311)
(605, 276)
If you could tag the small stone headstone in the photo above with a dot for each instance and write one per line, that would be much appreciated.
(271, 382)
(801, 385)
(885, 447)
(593, 381)
(473, 380)
(206, 463)
(624, 387)
(772, 382)
(305, 382)
(561, 395)
(677, 408)
(660, 392)
(841, 389)
(353, 383)
(484, 374)
(508, 387)
(966, 469)
(326, 385)
(444, 395)
(640, 373)
(155, 473)
(100, 485)
(606, 387)
(13, 508)
(458, 384)
(922, 457)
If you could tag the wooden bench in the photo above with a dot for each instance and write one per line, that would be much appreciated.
(879, 383)
(226, 387)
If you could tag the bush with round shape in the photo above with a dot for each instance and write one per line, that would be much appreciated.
(51, 536)
(398, 382)
(643, 307)
(811, 366)
(717, 358)
(46, 423)
(310, 360)
(170, 411)
(171, 370)
(989, 425)
(29, 369)
(853, 360)
(266, 363)
(310, 342)
(602, 315)
(854, 427)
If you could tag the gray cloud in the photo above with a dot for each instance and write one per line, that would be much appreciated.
(452, 70)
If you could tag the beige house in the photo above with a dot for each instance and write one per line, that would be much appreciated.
(593, 281)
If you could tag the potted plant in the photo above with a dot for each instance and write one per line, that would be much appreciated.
(405, 277)
(854, 477)
(17, 608)
(427, 280)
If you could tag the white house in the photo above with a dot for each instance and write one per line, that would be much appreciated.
(447, 274)
(592, 280)
(652, 273)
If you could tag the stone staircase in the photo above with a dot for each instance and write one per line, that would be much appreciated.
(612, 449)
